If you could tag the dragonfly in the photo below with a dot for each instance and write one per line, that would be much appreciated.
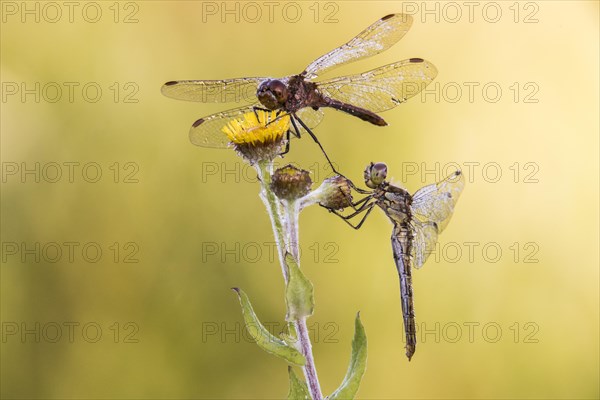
(417, 221)
(299, 96)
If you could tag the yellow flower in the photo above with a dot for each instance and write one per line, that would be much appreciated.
(258, 135)
(257, 128)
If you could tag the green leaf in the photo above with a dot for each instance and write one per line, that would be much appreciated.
(264, 339)
(358, 364)
(298, 389)
(298, 292)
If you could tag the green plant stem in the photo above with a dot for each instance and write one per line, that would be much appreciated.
(284, 221)
(265, 170)
(310, 371)
(292, 211)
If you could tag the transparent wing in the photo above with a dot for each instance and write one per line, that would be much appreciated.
(424, 240)
(382, 88)
(310, 116)
(376, 38)
(220, 91)
(208, 131)
(435, 203)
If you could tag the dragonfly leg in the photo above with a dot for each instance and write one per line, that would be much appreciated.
(362, 208)
(363, 205)
(279, 115)
(356, 188)
(353, 204)
(296, 130)
(287, 144)
(359, 190)
(356, 204)
(257, 108)
(366, 208)
(261, 109)
(312, 135)
(287, 138)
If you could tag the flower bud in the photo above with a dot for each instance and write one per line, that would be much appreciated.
(335, 193)
(290, 183)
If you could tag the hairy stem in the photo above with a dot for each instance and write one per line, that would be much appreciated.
(284, 221)
(292, 211)
(310, 371)
(265, 170)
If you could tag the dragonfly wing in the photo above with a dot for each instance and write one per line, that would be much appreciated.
(208, 131)
(378, 37)
(218, 91)
(435, 203)
(402, 259)
(310, 116)
(382, 88)
(424, 240)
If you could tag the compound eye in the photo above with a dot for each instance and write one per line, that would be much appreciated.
(379, 171)
(375, 174)
(279, 90)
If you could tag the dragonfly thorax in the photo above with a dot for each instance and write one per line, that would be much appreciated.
(395, 202)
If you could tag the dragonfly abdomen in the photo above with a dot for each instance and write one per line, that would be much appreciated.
(359, 112)
(402, 240)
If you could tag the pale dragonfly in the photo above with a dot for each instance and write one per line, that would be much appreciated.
(417, 221)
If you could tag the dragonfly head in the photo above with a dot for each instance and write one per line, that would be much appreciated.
(375, 175)
(272, 94)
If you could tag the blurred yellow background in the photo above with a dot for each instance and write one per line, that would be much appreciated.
(515, 105)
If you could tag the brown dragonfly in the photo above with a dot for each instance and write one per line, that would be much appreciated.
(360, 95)
(417, 220)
